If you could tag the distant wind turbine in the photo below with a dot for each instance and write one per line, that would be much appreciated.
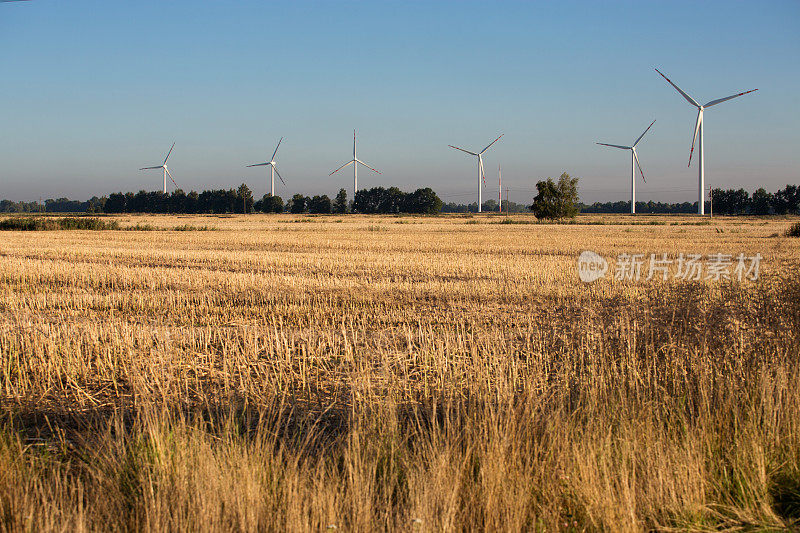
(634, 159)
(355, 162)
(698, 136)
(481, 173)
(500, 188)
(163, 167)
(273, 169)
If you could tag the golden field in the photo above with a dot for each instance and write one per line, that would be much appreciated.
(301, 373)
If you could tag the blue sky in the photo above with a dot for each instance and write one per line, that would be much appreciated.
(93, 90)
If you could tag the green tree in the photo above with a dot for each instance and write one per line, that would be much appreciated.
(423, 201)
(787, 200)
(761, 202)
(320, 204)
(556, 200)
(271, 204)
(297, 204)
(340, 203)
(489, 205)
(244, 197)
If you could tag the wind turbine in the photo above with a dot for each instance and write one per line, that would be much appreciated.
(355, 162)
(634, 159)
(481, 173)
(500, 189)
(698, 132)
(273, 169)
(166, 170)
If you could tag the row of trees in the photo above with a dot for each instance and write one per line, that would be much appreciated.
(721, 201)
(641, 207)
(375, 200)
(739, 202)
(555, 199)
(217, 201)
(59, 205)
(369, 201)
(488, 206)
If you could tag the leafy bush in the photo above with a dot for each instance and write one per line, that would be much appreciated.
(556, 200)
(794, 230)
(189, 227)
(51, 224)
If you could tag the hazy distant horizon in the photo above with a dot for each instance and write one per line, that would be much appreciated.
(96, 90)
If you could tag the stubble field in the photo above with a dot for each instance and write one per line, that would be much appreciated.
(299, 373)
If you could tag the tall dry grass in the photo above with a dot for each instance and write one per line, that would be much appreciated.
(435, 375)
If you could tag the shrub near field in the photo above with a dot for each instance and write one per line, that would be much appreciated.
(48, 224)
(444, 374)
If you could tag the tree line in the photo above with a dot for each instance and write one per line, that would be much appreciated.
(59, 205)
(623, 206)
(488, 206)
(739, 202)
(374, 200)
(720, 201)
(554, 198)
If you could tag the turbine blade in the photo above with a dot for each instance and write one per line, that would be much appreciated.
(694, 137)
(483, 172)
(491, 143)
(636, 157)
(719, 101)
(151, 168)
(170, 177)
(259, 165)
(688, 98)
(341, 167)
(279, 174)
(276, 149)
(366, 165)
(616, 146)
(642, 135)
(457, 148)
(168, 153)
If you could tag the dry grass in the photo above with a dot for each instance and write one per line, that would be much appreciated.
(436, 375)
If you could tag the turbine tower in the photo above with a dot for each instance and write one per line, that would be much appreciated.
(272, 170)
(163, 166)
(499, 189)
(355, 162)
(481, 173)
(634, 159)
(698, 136)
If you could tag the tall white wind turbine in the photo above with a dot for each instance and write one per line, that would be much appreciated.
(355, 162)
(634, 161)
(272, 170)
(163, 166)
(481, 173)
(698, 136)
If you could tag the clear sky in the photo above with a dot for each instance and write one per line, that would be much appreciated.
(94, 89)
